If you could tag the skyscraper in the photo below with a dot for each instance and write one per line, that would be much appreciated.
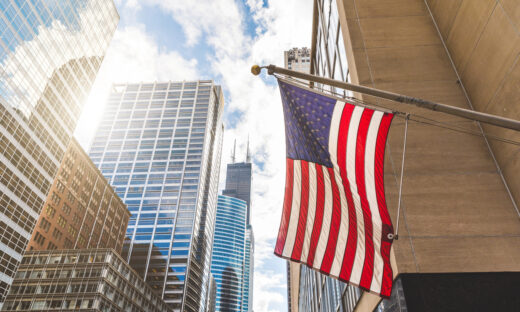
(239, 178)
(229, 251)
(159, 145)
(49, 56)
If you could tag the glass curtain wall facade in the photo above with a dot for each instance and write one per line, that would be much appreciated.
(50, 52)
(328, 56)
(239, 178)
(227, 264)
(159, 145)
(319, 292)
(80, 280)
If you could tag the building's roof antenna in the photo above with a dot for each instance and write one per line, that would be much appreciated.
(248, 154)
(233, 152)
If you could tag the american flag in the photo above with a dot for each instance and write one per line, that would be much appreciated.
(334, 216)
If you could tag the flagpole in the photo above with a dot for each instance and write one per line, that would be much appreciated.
(448, 109)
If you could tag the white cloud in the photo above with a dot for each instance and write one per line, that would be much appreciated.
(264, 298)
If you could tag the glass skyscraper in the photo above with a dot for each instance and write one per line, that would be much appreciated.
(238, 185)
(227, 264)
(50, 52)
(159, 145)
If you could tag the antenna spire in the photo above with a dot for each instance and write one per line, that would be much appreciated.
(233, 152)
(248, 154)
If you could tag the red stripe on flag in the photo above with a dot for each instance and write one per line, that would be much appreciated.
(350, 250)
(286, 213)
(330, 250)
(368, 265)
(318, 218)
(302, 221)
(386, 284)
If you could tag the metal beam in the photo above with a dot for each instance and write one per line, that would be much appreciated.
(447, 109)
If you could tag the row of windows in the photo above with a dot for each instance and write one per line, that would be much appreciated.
(164, 132)
(24, 165)
(172, 103)
(63, 135)
(158, 95)
(43, 304)
(195, 155)
(8, 264)
(153, 120)
(20, 189)
(12, 239)
(136, 134)
(149, 137)
(163, 86)
(136, 118)
(16, 213)
(27, 143)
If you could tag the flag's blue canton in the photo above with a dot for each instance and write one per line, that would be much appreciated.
(307, 124)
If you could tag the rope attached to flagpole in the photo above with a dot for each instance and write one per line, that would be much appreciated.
(396, 234)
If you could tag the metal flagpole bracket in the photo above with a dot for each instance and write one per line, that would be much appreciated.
(447, 109)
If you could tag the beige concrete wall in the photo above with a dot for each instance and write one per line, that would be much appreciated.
(294, 276)
(456, 214)
(483, 39)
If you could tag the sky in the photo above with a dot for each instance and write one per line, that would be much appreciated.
(173, 40)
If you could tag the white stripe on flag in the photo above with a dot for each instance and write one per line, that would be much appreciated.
(341, 242)
(370, 152)
(295, 210)
(311, 212)
(359, 258)
(327, 215)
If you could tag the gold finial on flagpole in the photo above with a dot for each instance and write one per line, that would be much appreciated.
(255, 70)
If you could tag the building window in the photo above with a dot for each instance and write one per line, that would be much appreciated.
(39, 239)
(45, 225)
(57, 234)
(61, 221)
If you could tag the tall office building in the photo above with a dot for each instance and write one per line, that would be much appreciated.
(239, 177)
(459, 221)
(229, 251)
(159, 145)
(238, 182)
(50, 53)
(82, 210)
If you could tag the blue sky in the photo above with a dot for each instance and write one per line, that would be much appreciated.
(160, 40)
